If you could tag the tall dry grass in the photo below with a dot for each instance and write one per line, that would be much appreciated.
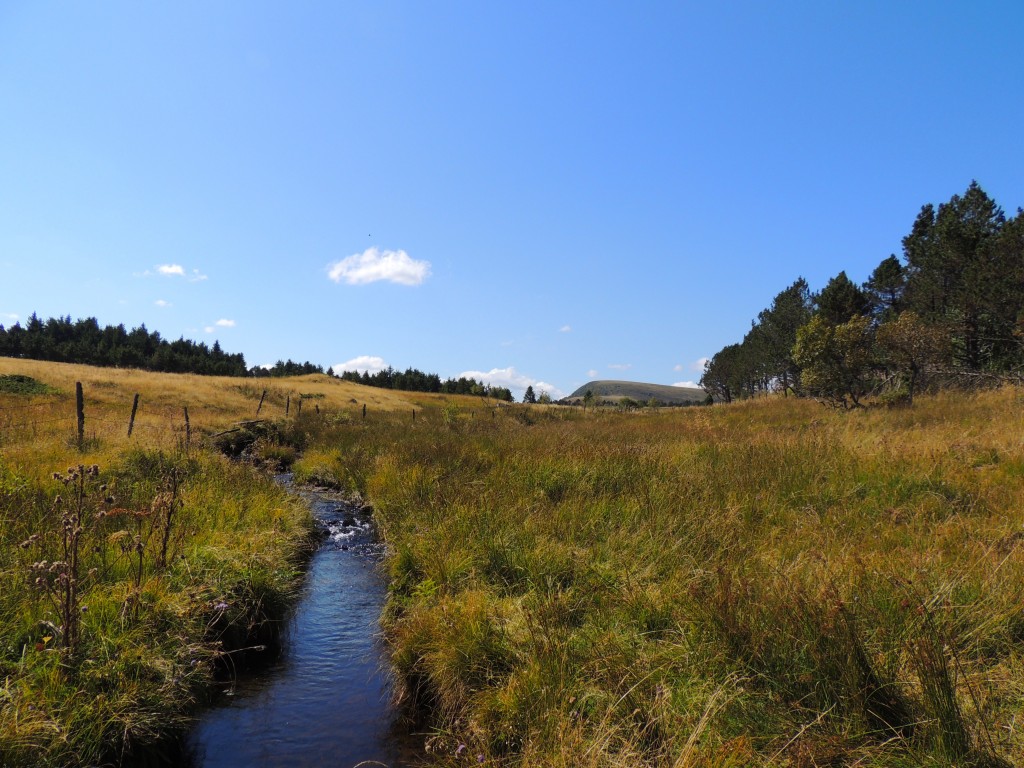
(768, 583)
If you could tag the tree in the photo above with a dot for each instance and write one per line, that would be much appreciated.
(528, 396)
(912, 347)
(723, 373)
(885, 287)
(588, 399)
(790, 310)
(841, 299)
(544, 398)
(836, 360)
(952, 272)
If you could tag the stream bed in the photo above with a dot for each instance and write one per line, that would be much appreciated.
(326, 700)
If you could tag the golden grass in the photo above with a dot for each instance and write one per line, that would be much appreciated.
(767, 583)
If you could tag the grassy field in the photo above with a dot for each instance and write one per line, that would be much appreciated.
(768, 583)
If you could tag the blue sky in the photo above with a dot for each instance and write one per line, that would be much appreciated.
(532, 193)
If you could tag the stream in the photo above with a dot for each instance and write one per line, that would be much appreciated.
(326, 700)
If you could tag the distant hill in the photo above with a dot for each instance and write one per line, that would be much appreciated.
(639, 391)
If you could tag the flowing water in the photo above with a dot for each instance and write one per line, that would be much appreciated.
(326, 700)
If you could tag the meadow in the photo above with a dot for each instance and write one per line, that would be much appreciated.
(768, 583)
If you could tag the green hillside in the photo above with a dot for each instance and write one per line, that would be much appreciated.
(639, 391)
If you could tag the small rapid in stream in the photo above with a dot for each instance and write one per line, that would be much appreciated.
(326, 701)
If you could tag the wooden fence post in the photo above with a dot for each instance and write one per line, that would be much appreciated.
(298, 408)
(287, 405)
(258, 407)
(131, 420)
(188, 431)
(364, 410)
(414, 414)
(317, 406)
(80, 410)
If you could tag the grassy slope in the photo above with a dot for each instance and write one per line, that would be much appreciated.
(768, 583)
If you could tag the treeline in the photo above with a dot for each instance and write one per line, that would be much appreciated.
(83, 341)
(950, 310)
(287, 368)
(412, 380)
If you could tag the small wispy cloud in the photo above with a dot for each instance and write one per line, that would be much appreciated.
(696, 365)
(512, 379)
(690, 384)
(162, 303)
(368, 363)
(11, 316)
(225, 323)
(592, 373)
(620, 366)
(209, 329)
(173, 270)
(565, 329)
(373, 265)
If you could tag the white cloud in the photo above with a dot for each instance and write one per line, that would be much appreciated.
(13, 317)
(690, 384)
(368, 363)
(174, 270)
(677, 367)
(163, 304)
(511, 378)
(225, 323)
(698, 365)
(209, 329)
(592, 373)
(565, 329)
(373, 264)
(620, 366)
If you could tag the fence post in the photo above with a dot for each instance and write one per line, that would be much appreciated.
(131, 420)
(364, 410)
(80, 410)
(287, 405)
(298, 408)
(258, 407)
(317, 406)
(188, 431)
(414, 414)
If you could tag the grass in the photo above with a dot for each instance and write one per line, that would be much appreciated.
(768, 583)
(132, 571)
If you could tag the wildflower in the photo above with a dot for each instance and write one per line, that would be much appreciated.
(461, 749)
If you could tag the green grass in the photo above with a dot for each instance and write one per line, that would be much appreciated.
(17, 384)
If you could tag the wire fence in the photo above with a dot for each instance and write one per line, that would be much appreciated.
(89, 420)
